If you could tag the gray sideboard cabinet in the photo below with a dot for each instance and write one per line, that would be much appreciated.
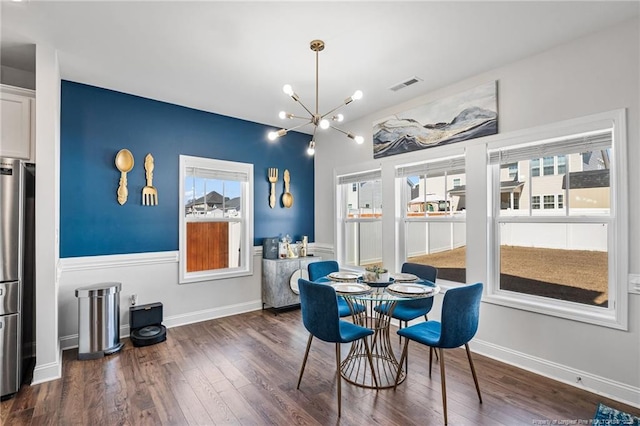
(276, 277)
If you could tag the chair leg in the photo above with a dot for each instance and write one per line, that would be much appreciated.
(339, 377)
(399, 328)
(473, 371)
(402, 358)
(430, 359)
(373, 372)
(304, 361)
(444, 385)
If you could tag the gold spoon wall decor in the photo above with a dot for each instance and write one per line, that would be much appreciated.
(287, 197)
(124, 163)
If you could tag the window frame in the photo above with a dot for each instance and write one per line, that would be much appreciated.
(448, 218)
(246, 219)
(342, 219)
(616, 314)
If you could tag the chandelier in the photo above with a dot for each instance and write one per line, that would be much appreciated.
(324, 121)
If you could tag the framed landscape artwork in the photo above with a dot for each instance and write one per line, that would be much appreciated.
(460, 117)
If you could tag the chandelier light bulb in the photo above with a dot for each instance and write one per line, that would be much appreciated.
(339, 118)
(287, 89)
(282, 115)
(359, 140)
(275, 135)
(312, 148)
(324, 123)
(357, 95)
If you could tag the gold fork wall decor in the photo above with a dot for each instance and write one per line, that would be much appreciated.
(273, 178)
(149, 193)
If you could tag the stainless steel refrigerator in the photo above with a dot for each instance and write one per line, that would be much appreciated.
(17, 277)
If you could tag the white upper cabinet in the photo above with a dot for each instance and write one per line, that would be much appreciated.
(17, 107)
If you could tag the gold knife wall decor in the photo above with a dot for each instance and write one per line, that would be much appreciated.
(149, 193)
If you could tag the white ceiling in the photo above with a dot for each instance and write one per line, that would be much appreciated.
(233, 57)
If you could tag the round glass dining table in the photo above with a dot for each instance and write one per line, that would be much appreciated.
(379, 300)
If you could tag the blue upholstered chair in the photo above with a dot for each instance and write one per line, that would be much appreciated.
(323, 268)
(409, 310)
(319, 305)
(457, 326)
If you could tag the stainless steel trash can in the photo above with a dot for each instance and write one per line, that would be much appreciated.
(98, 320)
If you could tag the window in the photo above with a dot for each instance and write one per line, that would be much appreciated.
(535, 167)
(549, 201)
(547, 166)
(513, 171)
(359, 198)
(535, 202)
(216, 221)
(561, 258)
(434, 215)
(562, 164)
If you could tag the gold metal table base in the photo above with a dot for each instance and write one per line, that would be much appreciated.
(355, 367)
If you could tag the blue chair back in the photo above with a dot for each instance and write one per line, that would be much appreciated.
(319, 305)
(426, 272)
(460, 315)
(320, 269)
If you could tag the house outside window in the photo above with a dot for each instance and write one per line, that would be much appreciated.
(359, 198)
(434, 215)
(216, 221)
(569, 242)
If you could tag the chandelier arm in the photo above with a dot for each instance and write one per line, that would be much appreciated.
(338, 129)
(305, 107)
(333, 110)
(298, 117)
(299, 125)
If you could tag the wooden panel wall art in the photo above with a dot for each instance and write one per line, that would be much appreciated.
(464, 116)
(207, 246)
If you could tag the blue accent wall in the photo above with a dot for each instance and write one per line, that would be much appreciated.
(96, 123)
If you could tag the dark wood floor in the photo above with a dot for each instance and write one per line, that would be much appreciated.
(243, 370)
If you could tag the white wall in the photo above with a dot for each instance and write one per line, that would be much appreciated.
(153, 277)
(590, 75)
(48, 364)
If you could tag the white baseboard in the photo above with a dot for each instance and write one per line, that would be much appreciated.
(47, 372)
(599, 385)
(71, 341)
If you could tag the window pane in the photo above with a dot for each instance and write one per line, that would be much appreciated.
(212, 245)
(435, 195)
(547, 163)
(535, 167)
(589, 187)
(363, 243)
(562, 164)
(442, 245)
(562, 261)
(212, 198)
(549, 202)
(363, 199)
(535, 202)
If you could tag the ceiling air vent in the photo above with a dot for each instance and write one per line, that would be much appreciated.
(407, 82)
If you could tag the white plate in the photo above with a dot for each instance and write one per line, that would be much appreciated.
(410, 289)
(293, 281)
(351, 288)
(404, 277)
(343, 276)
